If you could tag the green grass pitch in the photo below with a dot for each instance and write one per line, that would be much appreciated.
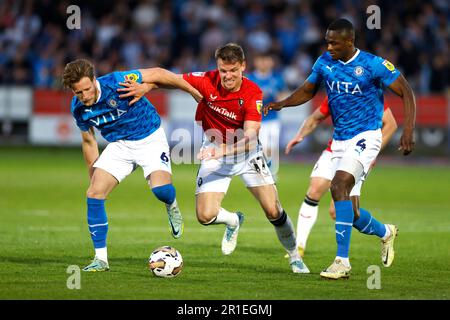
(43, 230)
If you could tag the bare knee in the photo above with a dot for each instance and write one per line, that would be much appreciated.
(315, 193)
(272, 212)
(206, 215)
(341, 185)
(94, 193)
(338, 190)
(102, 183)
(316, 190)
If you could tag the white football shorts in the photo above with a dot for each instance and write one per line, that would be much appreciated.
(364, 148)
(215, 175)
(122, 157)
(324, 168)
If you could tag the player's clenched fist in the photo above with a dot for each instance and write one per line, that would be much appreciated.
(407, 141)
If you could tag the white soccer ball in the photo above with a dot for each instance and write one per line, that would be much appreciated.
(165, 262)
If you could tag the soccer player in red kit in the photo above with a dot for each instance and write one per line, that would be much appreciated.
(230, 115)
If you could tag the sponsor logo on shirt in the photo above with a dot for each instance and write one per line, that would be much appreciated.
(344, 87)
(107, 117)
(388, 65)
(259, 105)
(223, 111)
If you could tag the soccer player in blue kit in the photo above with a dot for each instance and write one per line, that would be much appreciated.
(135, 138)
(354, 81)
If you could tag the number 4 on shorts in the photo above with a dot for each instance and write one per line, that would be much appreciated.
(361, 144)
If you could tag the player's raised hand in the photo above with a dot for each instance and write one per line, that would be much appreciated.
(135, 90)
(272, 106)
(407, 141)
(293, 143)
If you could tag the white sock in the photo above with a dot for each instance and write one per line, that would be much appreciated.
(387, 234)
(229, 218)
(307, 216)
(102, 254)
(345, 261)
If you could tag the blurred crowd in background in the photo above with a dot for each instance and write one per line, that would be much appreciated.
(181, 35)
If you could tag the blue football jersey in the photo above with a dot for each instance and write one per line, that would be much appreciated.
(355, 91)
(271, 85)
(115, 119)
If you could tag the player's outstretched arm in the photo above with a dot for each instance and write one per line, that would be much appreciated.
(402, 88)
(248, 142)
(153, 78)
(168, 79)
(308, 126)
(388, 128)
(90, 149)
(302, 94)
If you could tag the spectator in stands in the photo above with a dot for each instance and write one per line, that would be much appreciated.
(156, 31)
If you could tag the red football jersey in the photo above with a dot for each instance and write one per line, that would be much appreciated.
(222, 111)
(325, 110)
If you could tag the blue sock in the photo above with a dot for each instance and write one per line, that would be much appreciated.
(367, 224)
(343, 226)
(97, 221)
(165, 193)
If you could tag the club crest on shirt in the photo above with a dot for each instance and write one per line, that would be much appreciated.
(241, 102)
(131, 77)
(112, 103)
(358, 71)
(388, 65)
(259, 105)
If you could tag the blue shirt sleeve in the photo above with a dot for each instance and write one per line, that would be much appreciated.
(132, 75)
(384, 71)
(316, 74)
(82, 125)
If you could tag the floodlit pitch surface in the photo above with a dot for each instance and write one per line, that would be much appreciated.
(43, 231)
